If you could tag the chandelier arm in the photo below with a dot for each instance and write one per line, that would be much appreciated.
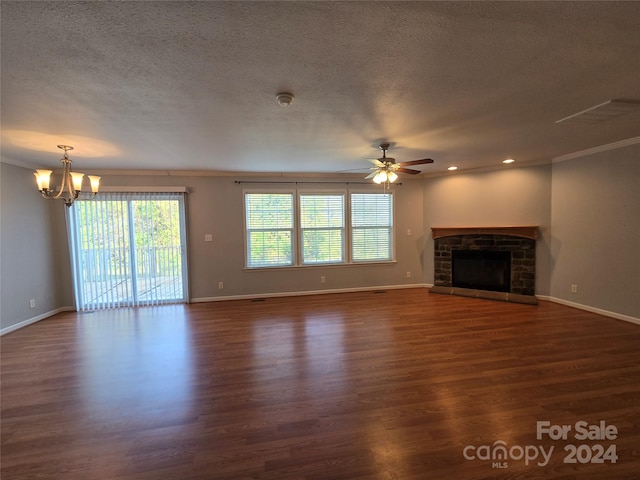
(71, 193)
(64, 182)
(68, 199)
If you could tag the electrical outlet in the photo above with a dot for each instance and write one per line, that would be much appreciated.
(208, 237)
(220, 285)
(323, 279)
(409, 231)
(574, 288)
(408, 274)
(32, 303)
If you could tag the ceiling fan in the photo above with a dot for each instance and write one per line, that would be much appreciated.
(385, 168)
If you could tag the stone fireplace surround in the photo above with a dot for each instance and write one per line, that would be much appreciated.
(520, 241)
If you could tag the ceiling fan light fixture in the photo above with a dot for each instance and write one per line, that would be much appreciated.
(385, 168)
(380, 177)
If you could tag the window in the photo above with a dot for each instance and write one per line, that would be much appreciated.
(269, 224)
(322, 228)
(371, 227)
(285, 229)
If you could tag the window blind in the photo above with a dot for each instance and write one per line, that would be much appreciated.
(322, 228)
(371, 227)
(269, 226)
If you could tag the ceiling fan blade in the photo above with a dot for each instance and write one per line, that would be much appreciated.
(371, 175)
(416, 162)
(376, 162)
(407, 170)
(354, 170)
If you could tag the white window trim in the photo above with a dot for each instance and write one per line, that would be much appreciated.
(294, 258)
(344, 193)
(393, 228)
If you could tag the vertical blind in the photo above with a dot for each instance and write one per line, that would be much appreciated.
(128, 249)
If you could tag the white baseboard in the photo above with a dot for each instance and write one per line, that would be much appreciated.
(599, 311)
(307, 292)
(29, 321)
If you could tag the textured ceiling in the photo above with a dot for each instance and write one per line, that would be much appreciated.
(191, 85)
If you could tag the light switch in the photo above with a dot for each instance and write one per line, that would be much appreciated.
(208, 237)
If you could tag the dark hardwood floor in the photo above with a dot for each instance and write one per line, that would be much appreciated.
(397, 385)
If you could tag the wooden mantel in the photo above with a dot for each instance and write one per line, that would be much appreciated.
(529, 231)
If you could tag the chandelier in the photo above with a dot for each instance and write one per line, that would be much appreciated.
(71, 185)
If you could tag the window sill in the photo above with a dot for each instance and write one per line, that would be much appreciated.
(321, 265)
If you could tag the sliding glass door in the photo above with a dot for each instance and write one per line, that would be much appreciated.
(128, 249)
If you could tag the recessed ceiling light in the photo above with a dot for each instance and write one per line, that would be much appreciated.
(452, 168)
(508, 160)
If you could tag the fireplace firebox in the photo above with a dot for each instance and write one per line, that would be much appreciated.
(482, 270)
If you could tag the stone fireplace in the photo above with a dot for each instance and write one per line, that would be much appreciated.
(486, 262)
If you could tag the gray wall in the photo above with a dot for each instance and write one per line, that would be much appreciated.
(508, 197)
(34, 258)
(595, 222)
(35, 255)
(584, 207)
(215, 206)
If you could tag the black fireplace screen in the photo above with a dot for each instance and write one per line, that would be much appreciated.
(481, 270)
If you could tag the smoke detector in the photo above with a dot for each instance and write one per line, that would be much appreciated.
(284, 99)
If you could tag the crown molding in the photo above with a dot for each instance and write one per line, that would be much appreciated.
(598, 149)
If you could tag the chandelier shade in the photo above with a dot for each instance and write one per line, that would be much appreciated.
(43, 178)
(71, 184)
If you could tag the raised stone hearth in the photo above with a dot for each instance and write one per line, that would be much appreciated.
(518, 284)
